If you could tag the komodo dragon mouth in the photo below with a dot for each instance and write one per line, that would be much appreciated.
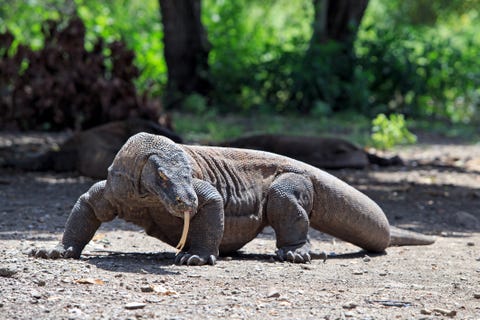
(186, 226)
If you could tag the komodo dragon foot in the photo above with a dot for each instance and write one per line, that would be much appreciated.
(56, 253)
(295, 254)
(194, 260)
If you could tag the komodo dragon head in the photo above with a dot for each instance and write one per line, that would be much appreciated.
(167, 176)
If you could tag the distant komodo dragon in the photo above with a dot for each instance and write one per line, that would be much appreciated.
(91, 152)
(321, 152)
(224, 197)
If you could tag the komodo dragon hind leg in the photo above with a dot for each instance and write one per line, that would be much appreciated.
(289, 201)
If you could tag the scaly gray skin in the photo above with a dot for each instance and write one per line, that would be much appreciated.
(232, 194)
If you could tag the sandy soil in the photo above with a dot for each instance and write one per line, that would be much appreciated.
(125, 274)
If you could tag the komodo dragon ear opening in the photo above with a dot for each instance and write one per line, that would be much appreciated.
(183, 238)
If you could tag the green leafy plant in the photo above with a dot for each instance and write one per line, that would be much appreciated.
(418, 58)
(428, 69)
(390, 131)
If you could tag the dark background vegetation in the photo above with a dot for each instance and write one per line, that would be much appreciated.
(78, 63)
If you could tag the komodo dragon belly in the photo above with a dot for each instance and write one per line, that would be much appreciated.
(241, 228)
(243, 210)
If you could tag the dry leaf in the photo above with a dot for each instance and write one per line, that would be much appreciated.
(163, 291)
(99, 237)
(89, 281)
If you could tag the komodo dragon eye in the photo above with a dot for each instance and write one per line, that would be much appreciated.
(162, 176)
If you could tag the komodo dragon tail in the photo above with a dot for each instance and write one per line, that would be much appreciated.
(346, 213)
(401, 237)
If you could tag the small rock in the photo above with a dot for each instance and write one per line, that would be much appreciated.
(476, 295)
(7, 272)
(367, 259)
(358, 272)
(350, 305)
(40, 283)
(146, 288)
(306, 267)
(445, 312)
(426, 311)
(273, 293)
(471, 244)
(36, 294)
(135, 305)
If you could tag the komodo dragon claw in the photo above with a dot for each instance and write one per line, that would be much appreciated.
(184, 258)
(293, 256)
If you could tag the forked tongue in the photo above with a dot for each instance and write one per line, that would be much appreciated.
(186, 226)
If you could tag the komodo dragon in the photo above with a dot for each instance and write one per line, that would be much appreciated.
(230, 195)
(91, 152)
(320, 152)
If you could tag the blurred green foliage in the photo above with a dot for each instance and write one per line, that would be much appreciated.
(208, 127)
(415, 57)
(136, 22)
(24, 19)
(422, 69)
(390, 131)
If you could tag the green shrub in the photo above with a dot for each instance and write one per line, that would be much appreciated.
(421, 70)
(388, 132)
(418, 58)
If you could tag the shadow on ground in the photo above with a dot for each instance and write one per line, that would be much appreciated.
(32, 203)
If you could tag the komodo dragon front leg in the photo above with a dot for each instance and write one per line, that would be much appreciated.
(289, 203)
(207, 227)
(83, 222)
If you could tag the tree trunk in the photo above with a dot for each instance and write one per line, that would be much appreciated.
(186, 49)
(329, 62)
(337, 19)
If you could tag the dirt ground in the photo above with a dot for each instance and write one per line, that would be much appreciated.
(125, 274)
